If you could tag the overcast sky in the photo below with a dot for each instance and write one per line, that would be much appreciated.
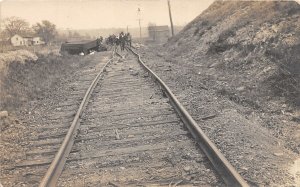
(89, 14)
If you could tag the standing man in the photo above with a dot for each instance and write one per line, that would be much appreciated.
(128, 39)
(122, 41)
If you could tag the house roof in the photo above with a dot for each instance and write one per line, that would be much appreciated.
(16, 35)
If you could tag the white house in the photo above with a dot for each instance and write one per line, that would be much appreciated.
(18, 40)
(37, 41)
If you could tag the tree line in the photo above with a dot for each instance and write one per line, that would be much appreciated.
(44, 29)
(14, 25)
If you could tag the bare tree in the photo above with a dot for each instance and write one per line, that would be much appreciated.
(15, 25)
(45, 30)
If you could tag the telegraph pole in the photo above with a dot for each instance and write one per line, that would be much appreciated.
(139, 15)
(170, 14)
(0, 16)
(1, 46)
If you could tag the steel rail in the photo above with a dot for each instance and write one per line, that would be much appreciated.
(119, 54)
(230, 176)
(54, 171)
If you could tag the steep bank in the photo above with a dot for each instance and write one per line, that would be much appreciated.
(249, 52)
(27, 75)
(256, 44)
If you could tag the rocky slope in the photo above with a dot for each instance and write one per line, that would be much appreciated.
(258, 41)
(249, 52)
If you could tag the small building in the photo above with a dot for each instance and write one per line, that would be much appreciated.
(38, 41)
(27, 40)
(18, 40)
(159, 33)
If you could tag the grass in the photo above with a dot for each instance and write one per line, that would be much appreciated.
(286, 81)
(33, 80)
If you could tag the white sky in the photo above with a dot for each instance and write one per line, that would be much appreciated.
(90, 14)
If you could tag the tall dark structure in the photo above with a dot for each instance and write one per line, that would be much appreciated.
(170, 14)
(0, 16)
(139, 15)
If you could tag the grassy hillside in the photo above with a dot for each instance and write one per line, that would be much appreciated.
(26, 76)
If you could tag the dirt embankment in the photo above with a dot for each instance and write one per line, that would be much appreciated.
(26, 76)
(239, 63)
(256, 44)
(249, 52)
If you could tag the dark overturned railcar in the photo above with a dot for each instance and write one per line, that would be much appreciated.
(83, 46)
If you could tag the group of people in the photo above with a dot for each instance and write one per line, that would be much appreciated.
(99, 40)
(119, 40)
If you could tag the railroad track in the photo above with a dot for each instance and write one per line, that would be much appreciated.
(47, 128)
(133, 132)
(130, 135)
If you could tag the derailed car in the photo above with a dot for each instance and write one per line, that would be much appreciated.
(82, 47)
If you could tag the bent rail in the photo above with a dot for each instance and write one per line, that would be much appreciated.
(230, 176)
(51, 177)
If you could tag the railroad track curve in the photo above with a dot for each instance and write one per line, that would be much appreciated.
(132, 131)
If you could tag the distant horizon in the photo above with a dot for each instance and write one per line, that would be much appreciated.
(105, 32)
(108, 28)
(104, 14)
